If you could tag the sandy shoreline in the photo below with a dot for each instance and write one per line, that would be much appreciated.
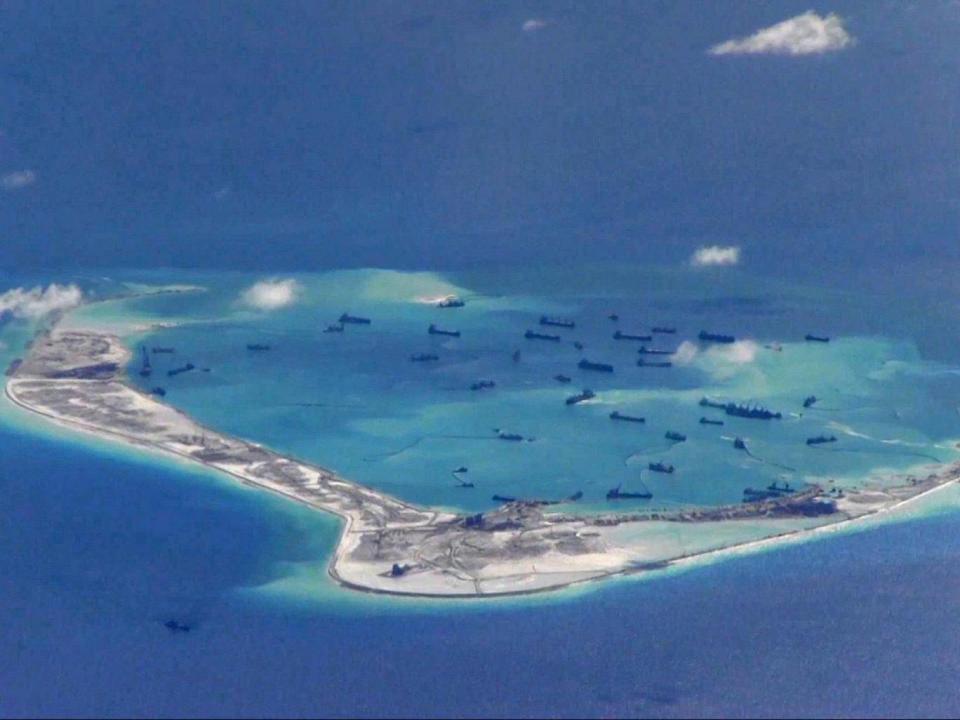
(75, 379)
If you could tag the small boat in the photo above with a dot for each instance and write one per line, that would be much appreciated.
(451, 301)
(664, 330)
(618, 494)
(257, 347)
(581, 397)
(461, 469)
(483, 385)
(816, 338)
(617, 415)
(809, 401)
(675, 436)
(531, 335)
(175, 626)
(145, 368)
(661, 468)
(424, 357)
(513, 437)
(176, 371)
(556, 322)
(161, 350)
(739, 444)
(562, 379)
(821, 439)
(614, 317)
(578, 345)
(516, 356)
(708, 421)
(337, 328)
(599, 367)
(158, 391)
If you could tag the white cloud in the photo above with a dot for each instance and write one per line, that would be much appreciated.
(806, 34)
(715, 255)
(39, 301)
(741, 352)
(685, 353)
(534, 24)
(18, 179)
(271, 294)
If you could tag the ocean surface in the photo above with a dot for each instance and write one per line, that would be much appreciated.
(104, 543)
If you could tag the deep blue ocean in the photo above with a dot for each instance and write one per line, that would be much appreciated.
(570, 169)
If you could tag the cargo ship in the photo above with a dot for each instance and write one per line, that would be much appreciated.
(644, 350)
(753, 413)
(434, 330)
(816, 338)
(617, 415)
(347, 319)
(661, 468)
(618, 494)
(581, 397)
(599, 367)
(176, 371)
(707, 402)
(643, 362)
(531, 335)
(708, 421)
(557, 322)
(513, 437)
(627, 336)
(716, 337)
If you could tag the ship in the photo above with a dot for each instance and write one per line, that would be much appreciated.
(451, 301)
(599, 367)
(708, 421)
(176, 371)
(809, 401)
(821, 439)
(176, 626)
(644, 350)
(516, 356)
(145, 368)
(773, 490)
(643, 362)
(675, 436)
(661, 468)
(503, 499)
(158, 391)
(614, 317)
(715, 337)
(347, 319)
(618, 494)
(627, 336)
(424, 357)
(257, 346)
(531, 335)
(660, 330)
(578, 345)
(707, 402)
(739, 444)
(483, 385)
(163, 350)
(617, 415)
(434, 330)
(816, 338)
(514, 437)
(562, 379)
(556, 322)
(336, 328)
(581, 397)
(754, 413)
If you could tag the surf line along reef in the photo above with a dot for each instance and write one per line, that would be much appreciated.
(76, 378)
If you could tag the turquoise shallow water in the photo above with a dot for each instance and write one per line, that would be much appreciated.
(356, 403)
(105, 542)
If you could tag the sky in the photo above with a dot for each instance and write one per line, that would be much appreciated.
(304, 135)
